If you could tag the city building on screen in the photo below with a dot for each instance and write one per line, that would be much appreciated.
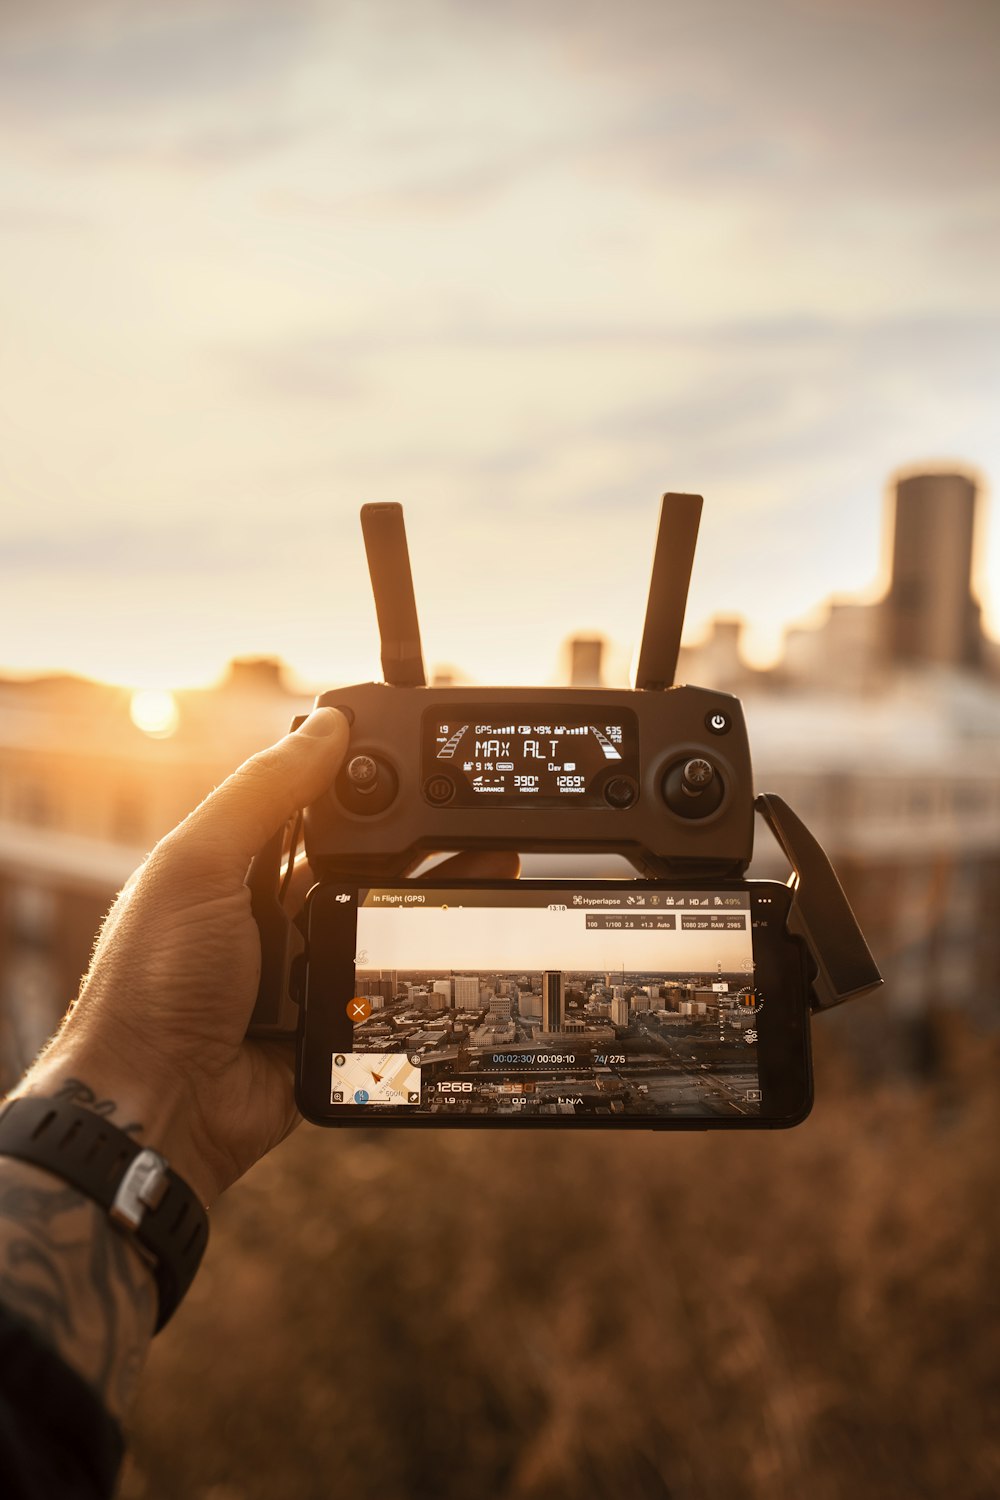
(553, 1001)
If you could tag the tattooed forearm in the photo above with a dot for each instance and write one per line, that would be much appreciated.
(66, 1269)
(78, 1092)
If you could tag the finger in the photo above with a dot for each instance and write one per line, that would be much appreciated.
(240, 816)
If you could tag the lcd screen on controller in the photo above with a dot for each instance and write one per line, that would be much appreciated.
(485, 757)
(539, 1002)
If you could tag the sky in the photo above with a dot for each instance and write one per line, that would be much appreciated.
(519, 267)
(534, 939)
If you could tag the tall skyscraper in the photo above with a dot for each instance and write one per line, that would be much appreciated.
(929, 613)
(553, 1012)
(466, 992)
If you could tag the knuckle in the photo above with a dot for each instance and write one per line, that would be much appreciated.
(192, 852)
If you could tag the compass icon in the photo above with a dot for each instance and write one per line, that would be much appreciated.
(750, 999)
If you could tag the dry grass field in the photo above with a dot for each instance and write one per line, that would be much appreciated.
(471, 1316)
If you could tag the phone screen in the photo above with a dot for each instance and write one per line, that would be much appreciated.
(541, 1001)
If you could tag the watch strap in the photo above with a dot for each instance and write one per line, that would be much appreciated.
(133, 1184)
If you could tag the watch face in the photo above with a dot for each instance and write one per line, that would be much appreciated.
(514, 757)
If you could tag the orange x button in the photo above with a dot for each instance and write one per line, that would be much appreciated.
(359, 1009)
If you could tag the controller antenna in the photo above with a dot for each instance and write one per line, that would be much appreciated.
(668, 590)
(392, 585)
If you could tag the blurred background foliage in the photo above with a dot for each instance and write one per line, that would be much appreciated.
(459, 1314)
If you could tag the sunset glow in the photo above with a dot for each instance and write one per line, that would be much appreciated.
(520, 269)
(155, 712)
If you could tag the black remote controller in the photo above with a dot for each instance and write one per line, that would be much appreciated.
(660, 774)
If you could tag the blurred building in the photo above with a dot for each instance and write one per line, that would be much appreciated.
(718, 660)
(929, 614)
(881, 727)
(586, 661)
(847, 648)
(84, 794)
(889, 747)
(902, 787)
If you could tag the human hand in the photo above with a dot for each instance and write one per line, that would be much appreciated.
(157, 1037)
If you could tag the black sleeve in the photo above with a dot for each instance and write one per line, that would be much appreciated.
(57, 1442)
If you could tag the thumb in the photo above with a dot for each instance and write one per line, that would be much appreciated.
(238, 818)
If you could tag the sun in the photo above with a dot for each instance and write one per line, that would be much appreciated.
(155, 712)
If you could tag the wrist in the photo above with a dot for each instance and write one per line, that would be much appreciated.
(153, 1113)
(155, 1212)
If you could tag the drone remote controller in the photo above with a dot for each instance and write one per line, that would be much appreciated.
(660, 774)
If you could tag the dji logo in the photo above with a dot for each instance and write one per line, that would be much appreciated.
(342, 896)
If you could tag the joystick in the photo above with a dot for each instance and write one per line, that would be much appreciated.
(366, 785)
(693, 788)
(362, 773)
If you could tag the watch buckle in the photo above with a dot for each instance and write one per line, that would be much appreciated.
(143, 1186)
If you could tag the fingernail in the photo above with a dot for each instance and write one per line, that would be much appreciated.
(320, 722)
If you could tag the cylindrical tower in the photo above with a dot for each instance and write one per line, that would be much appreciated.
(930, 613)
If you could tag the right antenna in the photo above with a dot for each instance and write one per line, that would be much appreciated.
(392, 585)
(676, 540)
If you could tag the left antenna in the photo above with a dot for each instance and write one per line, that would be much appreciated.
(676, 538)
(392, 585)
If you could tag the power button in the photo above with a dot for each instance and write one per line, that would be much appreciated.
(718, 722)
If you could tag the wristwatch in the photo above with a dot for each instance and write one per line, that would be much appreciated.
(135, 1185)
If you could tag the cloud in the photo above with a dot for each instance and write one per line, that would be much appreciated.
(523, 266)
(427, 193)
(196, 82)
(83, 548)
(887, 91)
(770, 416)
(312, 369)
(413, 110)
(930, 333)
(40, 218)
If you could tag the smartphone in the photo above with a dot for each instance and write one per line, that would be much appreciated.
(554, 1003)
